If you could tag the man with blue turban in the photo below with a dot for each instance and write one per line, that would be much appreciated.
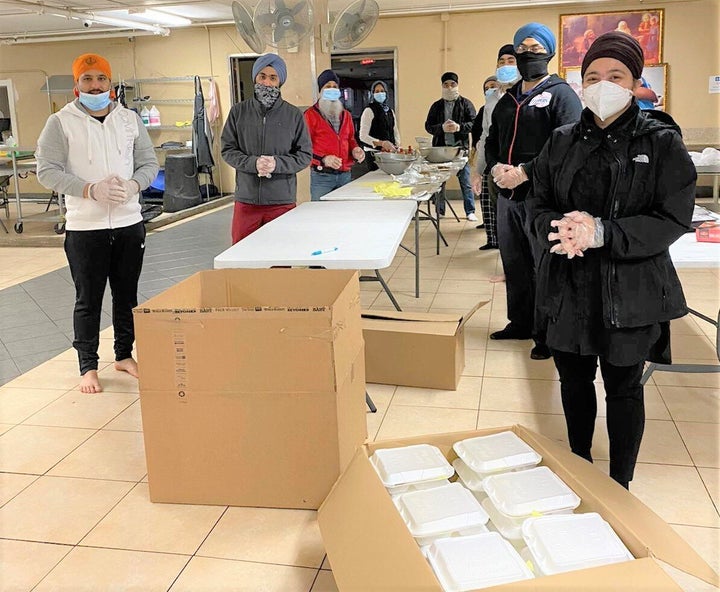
(522, 121)
(267, 143)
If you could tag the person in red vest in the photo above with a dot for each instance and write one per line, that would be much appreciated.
(332, 132)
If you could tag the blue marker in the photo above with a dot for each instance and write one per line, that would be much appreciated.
(323, 251)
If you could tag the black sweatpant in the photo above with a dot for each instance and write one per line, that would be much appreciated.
(518, 264)
(625, 408)
(96, 256)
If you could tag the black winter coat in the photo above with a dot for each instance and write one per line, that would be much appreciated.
(652, 180)
(463, 114)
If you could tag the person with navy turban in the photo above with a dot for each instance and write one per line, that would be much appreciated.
(267, 143)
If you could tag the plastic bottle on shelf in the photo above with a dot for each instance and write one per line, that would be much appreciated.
(154, 116)
(145, 116)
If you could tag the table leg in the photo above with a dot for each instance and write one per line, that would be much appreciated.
(387, 290)
(417, 251)
(370, 403)
(16, 180)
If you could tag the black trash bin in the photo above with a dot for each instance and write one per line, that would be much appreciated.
(182, 189)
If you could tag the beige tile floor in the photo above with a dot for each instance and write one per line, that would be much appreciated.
(74, 508)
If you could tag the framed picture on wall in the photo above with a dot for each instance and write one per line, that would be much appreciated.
(653, 94)
(578, 31)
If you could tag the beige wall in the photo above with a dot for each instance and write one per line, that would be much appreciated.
(690, 49)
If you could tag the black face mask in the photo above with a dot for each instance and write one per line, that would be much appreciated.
(533, 65)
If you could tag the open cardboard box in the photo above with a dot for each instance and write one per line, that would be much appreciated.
(371, 550)
(252, 386)
(415, 348)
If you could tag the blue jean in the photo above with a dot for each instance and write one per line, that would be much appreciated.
(463, 176)
(322, 183)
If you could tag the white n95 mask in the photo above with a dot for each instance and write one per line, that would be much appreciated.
(605, 98)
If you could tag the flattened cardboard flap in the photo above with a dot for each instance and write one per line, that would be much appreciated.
(427, 317)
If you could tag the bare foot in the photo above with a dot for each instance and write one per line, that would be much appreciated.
(494, 279)
(127, 365)
(89, 382)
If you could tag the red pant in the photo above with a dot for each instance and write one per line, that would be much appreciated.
(248, 218)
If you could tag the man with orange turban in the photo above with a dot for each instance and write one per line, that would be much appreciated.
(99, 155)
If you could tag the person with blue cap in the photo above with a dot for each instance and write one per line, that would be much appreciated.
(332, 132)
(522, 121)
(267, 143)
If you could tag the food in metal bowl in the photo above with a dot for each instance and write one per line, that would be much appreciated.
(393, 163)
(442, 153)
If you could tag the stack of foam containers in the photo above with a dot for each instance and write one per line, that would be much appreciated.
(411, 468)
(515, 497)
(476, 562)
(560, 543)
(447, 511)
(483, 456)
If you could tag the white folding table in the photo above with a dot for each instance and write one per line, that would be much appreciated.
(344, 235)
(361, 189)
(688, 253)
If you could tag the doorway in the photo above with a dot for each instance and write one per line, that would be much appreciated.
(241, 78)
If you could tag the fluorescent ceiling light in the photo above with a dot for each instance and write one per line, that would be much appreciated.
(159, 17)
(89, 17)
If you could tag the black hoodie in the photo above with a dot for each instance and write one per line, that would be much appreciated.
(522, 124)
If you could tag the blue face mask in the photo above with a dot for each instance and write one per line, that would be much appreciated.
(331, 94)
(507, 74)
(95, 102)
(380, 97)
(489, 92)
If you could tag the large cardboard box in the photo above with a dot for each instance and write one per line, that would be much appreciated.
(371, 550)
(415, 348)
(252, 386)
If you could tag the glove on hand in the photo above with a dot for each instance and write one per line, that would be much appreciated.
(109, 190)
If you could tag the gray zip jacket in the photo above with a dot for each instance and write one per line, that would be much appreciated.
(252, 131)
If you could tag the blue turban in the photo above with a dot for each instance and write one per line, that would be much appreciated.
(537, 31)
(273, 60)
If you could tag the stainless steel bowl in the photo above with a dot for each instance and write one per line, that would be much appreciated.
(392, 163)
(442, 153)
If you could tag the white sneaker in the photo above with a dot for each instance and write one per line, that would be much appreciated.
(472, 217)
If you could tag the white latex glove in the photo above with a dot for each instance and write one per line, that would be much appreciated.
(450, 127)
(265, 165)
(132, 188)
(498, 169)
(332, 162)
(511, 178)
(577, 232)
(110, 190)
(476, 182)
(358, 154)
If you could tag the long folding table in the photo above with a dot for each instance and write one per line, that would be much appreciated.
(361, 189)
(361, 235)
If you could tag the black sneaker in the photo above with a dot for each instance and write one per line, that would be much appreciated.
(487, 247)
(540, 352)
(510, 332)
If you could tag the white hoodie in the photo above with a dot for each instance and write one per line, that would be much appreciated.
(74, 149)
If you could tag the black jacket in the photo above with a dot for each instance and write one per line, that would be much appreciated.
(520, 127)
(252, 131)
(463, 114)
(652, 180)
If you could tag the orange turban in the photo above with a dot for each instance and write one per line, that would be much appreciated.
(90, 61)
